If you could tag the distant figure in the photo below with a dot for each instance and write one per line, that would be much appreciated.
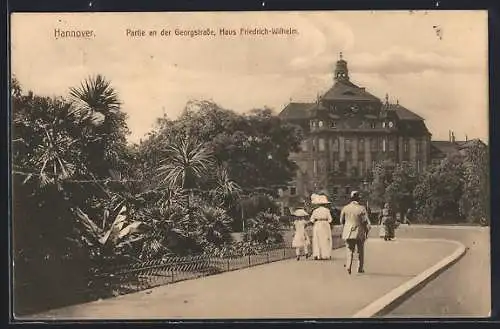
(387, 223)
(355, 232)
(322, 233)
(300, 239)
(408, 217)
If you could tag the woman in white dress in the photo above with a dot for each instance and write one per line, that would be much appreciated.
(322, 233)
(300, 239)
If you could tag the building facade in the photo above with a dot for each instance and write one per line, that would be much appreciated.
(347, 131)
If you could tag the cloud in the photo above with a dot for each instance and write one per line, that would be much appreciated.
(396, 60)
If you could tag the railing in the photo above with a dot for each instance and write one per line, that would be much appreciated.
(153, 273)
(134, 277)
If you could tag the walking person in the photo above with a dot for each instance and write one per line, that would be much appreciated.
(356, 224)
(322, 233)
(408, 217)
(300, 239)
(387, 223)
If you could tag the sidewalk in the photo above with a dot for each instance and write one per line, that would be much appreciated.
(286, 289)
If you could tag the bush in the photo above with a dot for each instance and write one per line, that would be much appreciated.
(264, 228)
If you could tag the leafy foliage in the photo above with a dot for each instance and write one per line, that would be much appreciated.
(254, 147)
(382, 178)
(264, 228)
(399, 192)
(439, 190)
(475, 201)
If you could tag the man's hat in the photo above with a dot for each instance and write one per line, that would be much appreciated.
(354, 194)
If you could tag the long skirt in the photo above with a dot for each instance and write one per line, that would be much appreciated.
(322, 240)
(387, 231)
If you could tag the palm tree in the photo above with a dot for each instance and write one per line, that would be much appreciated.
(95, 102)
(187, 161)
(226, 191)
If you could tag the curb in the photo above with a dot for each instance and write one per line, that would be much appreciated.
(384, 304)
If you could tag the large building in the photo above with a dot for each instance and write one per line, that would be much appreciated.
(442, 149)
(347, 131)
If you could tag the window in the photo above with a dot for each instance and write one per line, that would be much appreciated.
(384, 145)
(333, 124)
(313, 124)
(347, 190)
(361, 166)
(383, 124)
(315, 167)
(320, 124)
(347, 145)
(381, 144)
(321, 145)
(373, 124)
(361, 145)
(303, 145)
(374, 163)
(293, 190)
(342, 166)
(419, 146)
(373, 144)
(406, 146)
(392, 145)
(335, 145)
(336, 165)
(419, 165)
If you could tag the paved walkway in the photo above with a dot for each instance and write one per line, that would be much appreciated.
(286, 289)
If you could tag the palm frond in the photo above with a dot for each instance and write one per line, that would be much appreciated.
(94, 100)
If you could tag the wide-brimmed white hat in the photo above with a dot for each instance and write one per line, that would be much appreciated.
(300, 213)
(319, 199)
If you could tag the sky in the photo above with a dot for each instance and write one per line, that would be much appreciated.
(434, 63)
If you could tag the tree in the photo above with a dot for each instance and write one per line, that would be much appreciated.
(439, 191)
(400, 191)
(382, 176)
(186, 162)
(96, 104)
(253, 147)
(59, 155)
(475, 199)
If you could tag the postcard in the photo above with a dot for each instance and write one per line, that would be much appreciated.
(250, 165)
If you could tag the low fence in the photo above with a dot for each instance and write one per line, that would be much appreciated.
(134, 277)
(153, 273)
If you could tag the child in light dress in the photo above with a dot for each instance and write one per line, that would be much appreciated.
(301, 239)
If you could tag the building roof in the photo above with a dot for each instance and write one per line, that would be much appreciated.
(413, 127)
(469, 143)
(403, 113)
(346, 90)
(297, 111)
(444, 148)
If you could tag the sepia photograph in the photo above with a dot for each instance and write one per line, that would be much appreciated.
(250, 165)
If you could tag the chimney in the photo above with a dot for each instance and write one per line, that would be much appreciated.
(466, 138)
(449, 135)
(453, 137)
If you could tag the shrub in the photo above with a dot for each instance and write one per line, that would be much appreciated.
(264, 228)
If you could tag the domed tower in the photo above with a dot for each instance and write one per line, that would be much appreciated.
(341, 71)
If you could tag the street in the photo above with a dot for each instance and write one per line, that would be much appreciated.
(315, 289)
(463, 290)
